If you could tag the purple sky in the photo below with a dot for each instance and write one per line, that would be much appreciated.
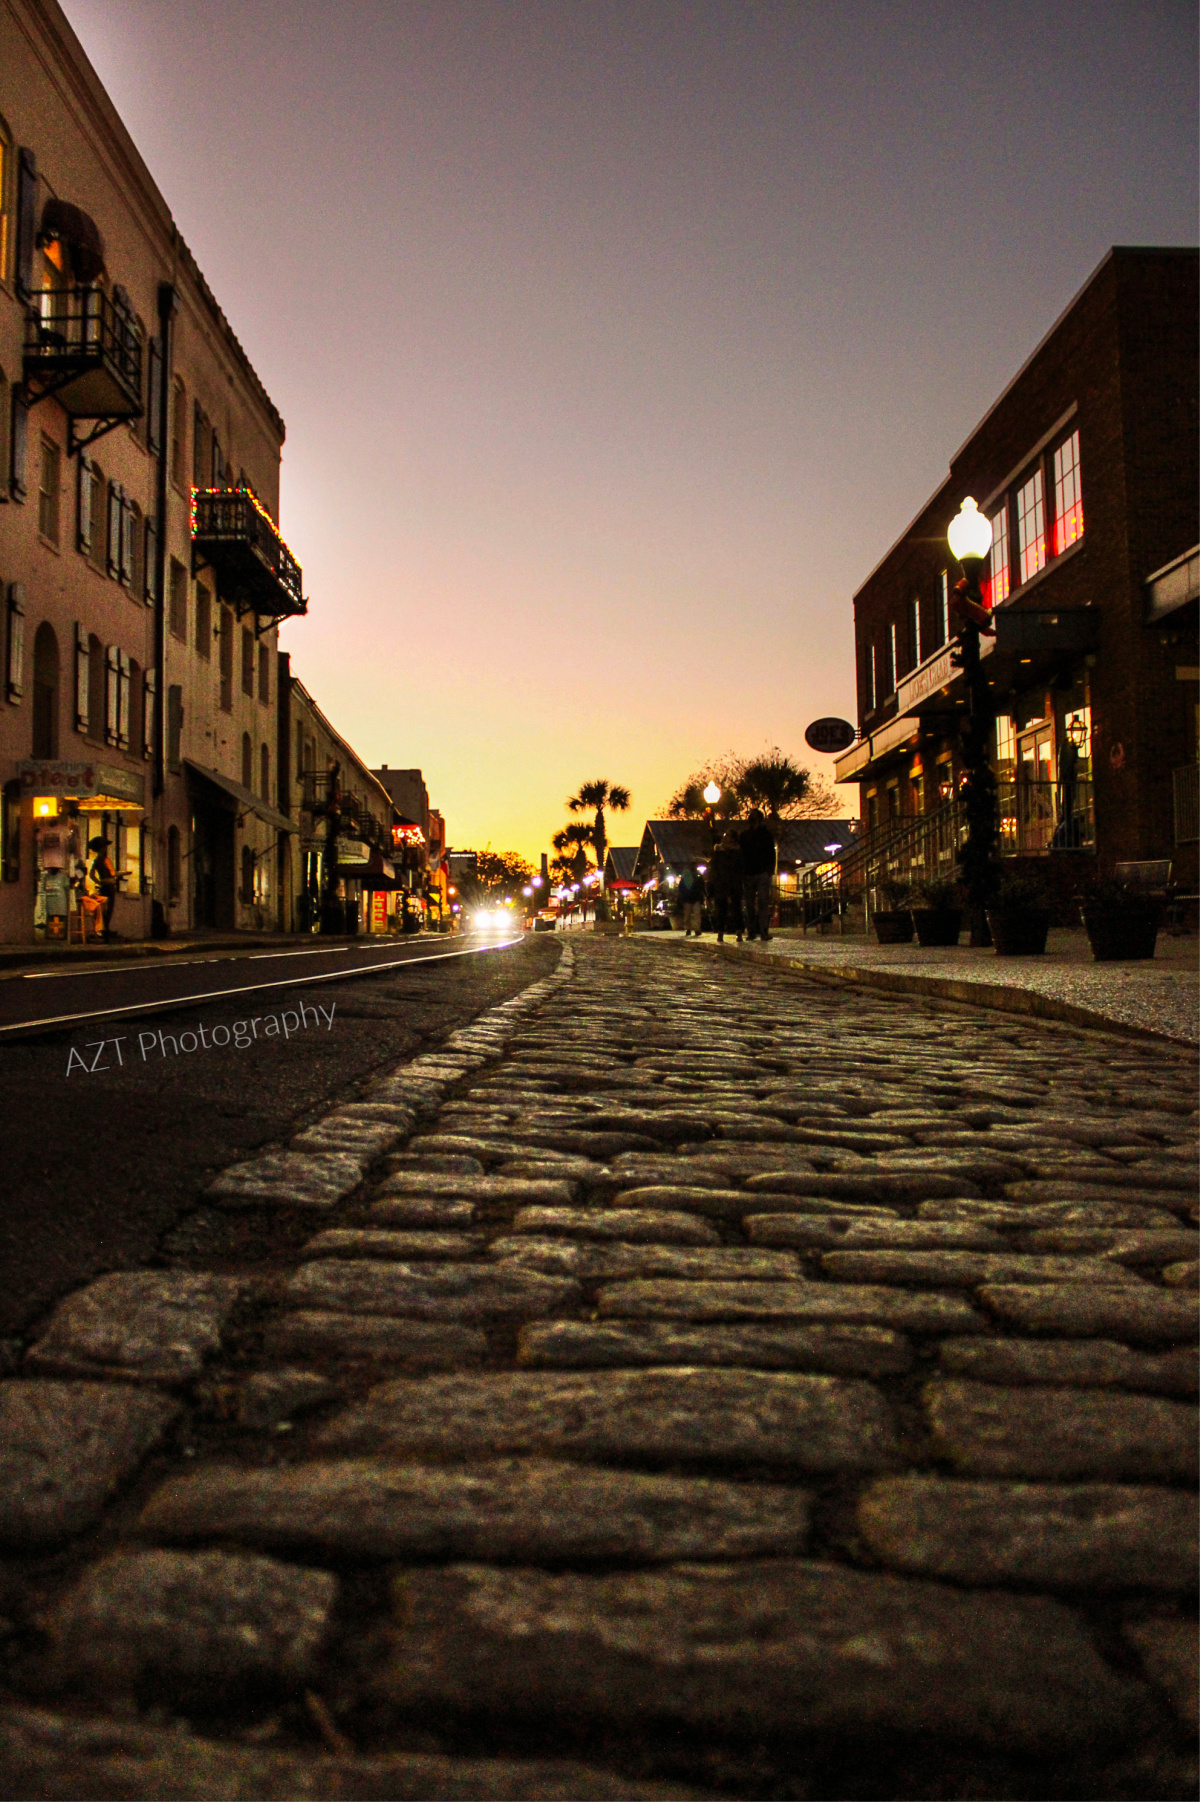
(617, 341)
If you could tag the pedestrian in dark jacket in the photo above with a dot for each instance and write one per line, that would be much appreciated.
(758, 860)
(725, 878)
(691, 901)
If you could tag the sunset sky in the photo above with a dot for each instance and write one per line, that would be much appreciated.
(618, 341)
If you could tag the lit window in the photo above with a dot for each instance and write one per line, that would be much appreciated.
(996, 588)
(1006, 747)
(1031, 526)
(916, 630)
(1068, 495)
(874, 681)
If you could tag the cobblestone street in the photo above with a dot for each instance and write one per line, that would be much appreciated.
(685, 1380)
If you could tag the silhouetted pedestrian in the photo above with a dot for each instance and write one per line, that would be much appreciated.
(726, 874)
(691, 901)
(758, 859)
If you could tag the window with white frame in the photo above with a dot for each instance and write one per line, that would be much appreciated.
(944, 600)
(1068, 495)
(1031, 525)
(915, 607)
(872, 679)
(895, 657)
(996, 588)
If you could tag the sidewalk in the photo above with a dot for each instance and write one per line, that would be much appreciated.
(1161, 996)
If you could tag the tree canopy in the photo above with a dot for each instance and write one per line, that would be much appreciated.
(772, 780)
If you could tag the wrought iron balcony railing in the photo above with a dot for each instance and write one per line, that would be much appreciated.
(234, 534)
(83, 348)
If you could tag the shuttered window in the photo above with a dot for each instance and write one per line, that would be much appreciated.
(112, 693)
(83, 537)
(149, 711)
(16, 642)
(82, 678)
(150, 555)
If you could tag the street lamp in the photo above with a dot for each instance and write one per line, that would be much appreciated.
(712, 795)
(970, 537)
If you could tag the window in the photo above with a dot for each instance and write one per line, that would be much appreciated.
(149, 711)
(996, 588)
(179, 582)
(133, 571)
(174, 726)
(45, 692)
(5, 183)
(247, 893)
(247, 762)
(15, 682)
(916, 630)
(90, 509)
(944, 604)
(247, 662)
(118, 670)
(10, 849)
(82, 679)
(96, 688)
(218, 463)
(1006, 747)
(872, 679)
(226, 660)
(264, 773)
(1031, 526)
(174, 864)
(4, 434)
(199, 447)
(135, 718)
(113, 548)
(48, 480)
(154, 397)
(894, 657)
(150, 563)
(1068, 495)
(178, 433)
(204, 626)
(264, 674)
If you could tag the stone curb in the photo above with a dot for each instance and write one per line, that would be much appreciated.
(995, 995)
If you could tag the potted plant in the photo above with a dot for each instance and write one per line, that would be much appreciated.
(1121, 922)
(936, 913)
(893, 922)
(1019, 917)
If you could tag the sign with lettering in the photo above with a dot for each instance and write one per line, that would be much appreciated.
(926, 679)
(830, 736)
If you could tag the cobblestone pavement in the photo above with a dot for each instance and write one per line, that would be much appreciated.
(679, 1382)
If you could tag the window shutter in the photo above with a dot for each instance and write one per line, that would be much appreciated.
(26, 221)
(20, 447)
(16, 641)
(154, 421)
(82, 673)
(85, 503)
(124, 690)
(218, 466)
(126, 549)
(114, 529)
(198, 423)
(112, 694)
(151, 563)
(149, 705)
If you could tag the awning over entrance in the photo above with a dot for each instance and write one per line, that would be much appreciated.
(247, 801)
(373, 871)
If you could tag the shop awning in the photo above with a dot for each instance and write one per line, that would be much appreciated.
(373, 871)
(247, 801)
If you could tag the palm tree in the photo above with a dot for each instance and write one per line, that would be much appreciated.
(599, 795)
(572, 842)
(773, 783)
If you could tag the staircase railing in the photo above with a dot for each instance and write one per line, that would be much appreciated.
(919, 848)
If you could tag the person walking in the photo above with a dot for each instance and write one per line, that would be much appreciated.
(691, 901)
(758, 861)
(726, 875)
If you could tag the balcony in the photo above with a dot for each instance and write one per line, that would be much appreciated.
(235, 536)
(82, 348)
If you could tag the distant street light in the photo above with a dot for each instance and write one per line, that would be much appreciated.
(970, 538)
(712, 795)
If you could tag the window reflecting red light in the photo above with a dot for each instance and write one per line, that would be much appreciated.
(1068, 495)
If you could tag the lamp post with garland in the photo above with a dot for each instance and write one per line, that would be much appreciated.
(970, 538)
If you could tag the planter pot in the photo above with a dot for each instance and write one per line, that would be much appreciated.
(893, 928)
(1120, 934)
(1021, 933)
(937, 925)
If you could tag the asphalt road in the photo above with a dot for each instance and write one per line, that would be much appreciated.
(104, 1155)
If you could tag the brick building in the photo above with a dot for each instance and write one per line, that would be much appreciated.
(142, 575)
(1086, 466)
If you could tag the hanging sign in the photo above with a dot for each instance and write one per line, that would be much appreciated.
(830, 736)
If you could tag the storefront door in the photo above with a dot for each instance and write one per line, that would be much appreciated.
(1036, 811)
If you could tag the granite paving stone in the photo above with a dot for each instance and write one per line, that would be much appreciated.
(968, 1269)
(298, 1179)
(271, 1396)
(838, 1350)
(867, 1303)
(603, 1262)
(873, 1185)
(1086, 1311)
(1047, 1216)
(812, 1423)
(377, 1242)
(460, 1291)
(1166, 1645)
(720, 1204)
(647, 1226)
(1061, 1433)
(191, 1622)
(373, 1339)
(525, 1510)
(65, 1757)
(1037, 1535)
(152, 1325)
(64, 1450)
(782, 1646)
(871, 1232)
(1182, 1276)
(1077, 1364)
(428, 1212)
(555, 1192)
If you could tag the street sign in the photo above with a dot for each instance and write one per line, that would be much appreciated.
(830, 736)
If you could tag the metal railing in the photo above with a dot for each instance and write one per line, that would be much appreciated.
(70, 327)
(233, 517)
(1185, 782)
(1045, 816)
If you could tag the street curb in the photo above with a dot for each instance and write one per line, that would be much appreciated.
(943, 988)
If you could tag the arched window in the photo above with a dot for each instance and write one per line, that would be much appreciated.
(247, 875)
(174, 864)
(247, 761)
(45, 692)
(264, 771)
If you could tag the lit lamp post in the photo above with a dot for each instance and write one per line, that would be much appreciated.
(970, 538)
(712, 795)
